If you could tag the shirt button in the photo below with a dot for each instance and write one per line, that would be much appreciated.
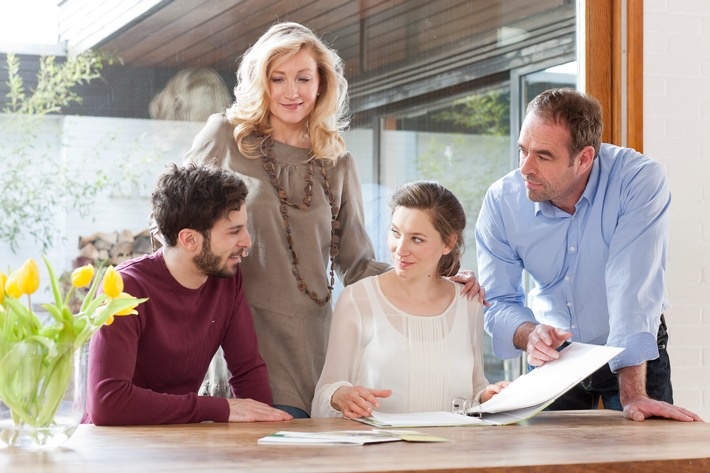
(571, 248)
(569, 304)
(566, 278)
(574, 326)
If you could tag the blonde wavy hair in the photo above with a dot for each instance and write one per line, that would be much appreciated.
(250, 112)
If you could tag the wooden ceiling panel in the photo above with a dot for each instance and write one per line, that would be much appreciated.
(150, 30)
(215, 33)
(201, 39)
(192, 27)
(225, 46)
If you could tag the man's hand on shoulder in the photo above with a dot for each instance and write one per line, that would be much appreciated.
(248, 410)
(643, 407)
(471, 287)
(540, 342)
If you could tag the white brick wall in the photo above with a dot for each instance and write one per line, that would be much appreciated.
(677, 133)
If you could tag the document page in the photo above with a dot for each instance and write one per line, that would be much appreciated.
(546, 383)
(419, 419)
(346, 437)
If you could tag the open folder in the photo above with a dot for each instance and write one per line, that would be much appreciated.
(522, 399)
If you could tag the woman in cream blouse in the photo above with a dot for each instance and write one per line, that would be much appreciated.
(404, 341)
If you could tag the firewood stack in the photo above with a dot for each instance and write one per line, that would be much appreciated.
(112, 247)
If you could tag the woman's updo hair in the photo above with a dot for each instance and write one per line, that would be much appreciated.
(446, 214)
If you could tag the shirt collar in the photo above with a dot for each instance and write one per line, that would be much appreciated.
(591, 190)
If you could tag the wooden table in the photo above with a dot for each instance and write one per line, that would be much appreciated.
(573, 441)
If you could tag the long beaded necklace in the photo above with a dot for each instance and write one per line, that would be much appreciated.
(285, 203)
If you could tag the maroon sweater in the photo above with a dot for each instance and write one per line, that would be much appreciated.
(147, 369)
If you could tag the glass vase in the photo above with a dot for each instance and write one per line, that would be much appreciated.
(42, 393)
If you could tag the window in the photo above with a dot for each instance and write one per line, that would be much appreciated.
(437, 90)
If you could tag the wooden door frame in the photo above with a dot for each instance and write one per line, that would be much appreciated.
(615, 78)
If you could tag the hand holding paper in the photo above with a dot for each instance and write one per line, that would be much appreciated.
(542, 342)
(546, 383)
(493, 390)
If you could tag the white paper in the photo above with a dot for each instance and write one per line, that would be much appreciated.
(548, 382)
(420, 419)
(346, 437)
(343, 437)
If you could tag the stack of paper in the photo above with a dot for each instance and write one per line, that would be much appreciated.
(346, 437)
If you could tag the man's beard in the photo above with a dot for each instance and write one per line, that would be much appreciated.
(211, 264)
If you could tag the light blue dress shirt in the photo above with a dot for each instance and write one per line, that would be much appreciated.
(598, 273)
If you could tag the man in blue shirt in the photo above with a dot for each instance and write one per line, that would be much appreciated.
(589, 223)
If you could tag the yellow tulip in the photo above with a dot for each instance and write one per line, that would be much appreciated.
(11, 287)
(128, 310)
(99, 310)
(81, 277)
(28, 277)
(3, 280)
(113, 282)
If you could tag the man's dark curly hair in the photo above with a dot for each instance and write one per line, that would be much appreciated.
(195, 197)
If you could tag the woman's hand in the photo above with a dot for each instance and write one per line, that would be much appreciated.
(493, 389)
(471, 286)
(357, 401)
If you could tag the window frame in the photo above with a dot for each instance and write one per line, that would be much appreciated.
(613, 61)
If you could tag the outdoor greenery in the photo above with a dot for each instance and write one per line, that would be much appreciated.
(35, 187)
(480, 114)
(469, 161)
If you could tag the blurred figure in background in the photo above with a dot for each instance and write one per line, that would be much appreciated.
(192, 94)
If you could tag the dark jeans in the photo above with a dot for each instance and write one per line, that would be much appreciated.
(602, 384)
(294, 411)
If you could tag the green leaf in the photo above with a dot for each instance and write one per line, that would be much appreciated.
(116, 305)
(54, 283)
(89, 299)
(54, 312)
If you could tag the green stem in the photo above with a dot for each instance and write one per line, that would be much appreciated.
(33, 382)
(56, 383)
(68, 297)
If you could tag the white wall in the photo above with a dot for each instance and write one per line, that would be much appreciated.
(677, 133)
(133, 152)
